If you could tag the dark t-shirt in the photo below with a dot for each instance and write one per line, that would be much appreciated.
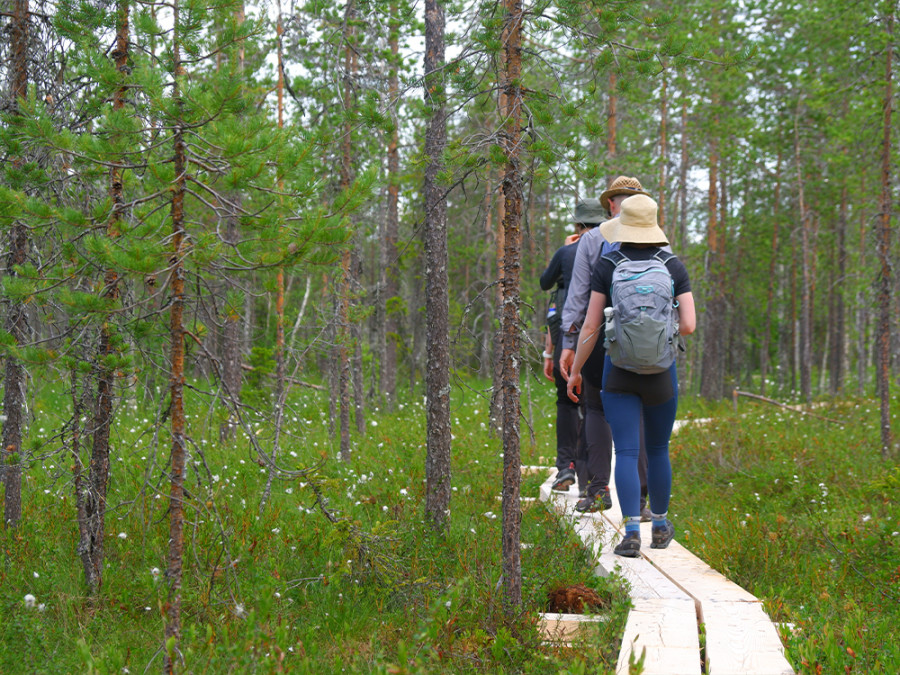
(559, 274)
(601, 279)
(653, 389)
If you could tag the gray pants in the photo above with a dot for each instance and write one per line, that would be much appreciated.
(595, 459)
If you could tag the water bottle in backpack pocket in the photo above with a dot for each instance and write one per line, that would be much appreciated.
(642, 323)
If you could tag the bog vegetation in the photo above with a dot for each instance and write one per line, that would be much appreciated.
(271, 318)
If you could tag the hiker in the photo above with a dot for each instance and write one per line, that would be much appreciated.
(569, 430)
(598, 441)
(629, 394)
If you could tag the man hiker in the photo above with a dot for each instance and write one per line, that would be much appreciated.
(569, 429)
(598, 439)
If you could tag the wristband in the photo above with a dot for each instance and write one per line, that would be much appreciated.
(547, 355)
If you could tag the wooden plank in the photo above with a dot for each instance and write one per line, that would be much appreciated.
(565, 628)
(691, 573)
(665, 632)
(670, 588)
(740, 638)
(528, 469)
(646, 581)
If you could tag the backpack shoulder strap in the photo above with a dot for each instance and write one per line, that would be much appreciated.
(616, 257)
(664, 256)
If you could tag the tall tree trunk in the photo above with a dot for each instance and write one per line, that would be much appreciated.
(725, 281)
(663, 151)
(232, 356)
(98, 477)
(612, 117)
(347, 257)
(885, 283)
(711, 382)
(862, 314)
(437, 300)
(176, 385)
(805, 355)
(770, 291)
(80, 481)
(488, 339)
(838, 323)
(391, 279)
(279, 292)
(682, 181)
(356, 372)
(16, 325)
(510, 137)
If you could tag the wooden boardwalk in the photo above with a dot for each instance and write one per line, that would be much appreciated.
(676, 597)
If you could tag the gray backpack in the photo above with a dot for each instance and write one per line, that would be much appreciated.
(642, 324)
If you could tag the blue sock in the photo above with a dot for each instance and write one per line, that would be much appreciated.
(632, 525)
(659, 520)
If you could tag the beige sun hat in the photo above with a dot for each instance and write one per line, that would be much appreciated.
(636, 223)
(623, 185)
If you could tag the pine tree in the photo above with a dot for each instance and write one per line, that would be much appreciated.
(437, 303)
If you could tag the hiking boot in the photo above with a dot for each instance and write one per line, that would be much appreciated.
(630, 546)
(646, 517)
(587, 504)
(606, 498)
(564, 479)
(662, 535)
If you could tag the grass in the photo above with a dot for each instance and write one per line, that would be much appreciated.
(801, 512)
(285, 590)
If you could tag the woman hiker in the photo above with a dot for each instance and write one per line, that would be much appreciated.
(626, 394)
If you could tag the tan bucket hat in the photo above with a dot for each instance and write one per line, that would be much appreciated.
(623, 185)
(636, 223)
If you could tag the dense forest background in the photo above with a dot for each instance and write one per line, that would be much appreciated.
(228, 199)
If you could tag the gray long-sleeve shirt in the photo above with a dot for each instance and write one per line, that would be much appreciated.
(579, 293)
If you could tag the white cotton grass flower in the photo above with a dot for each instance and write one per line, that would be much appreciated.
(123, 535)
(155, 572)
(30, 600)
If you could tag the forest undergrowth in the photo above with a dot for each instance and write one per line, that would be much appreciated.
(800, 511)
(288, 590)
